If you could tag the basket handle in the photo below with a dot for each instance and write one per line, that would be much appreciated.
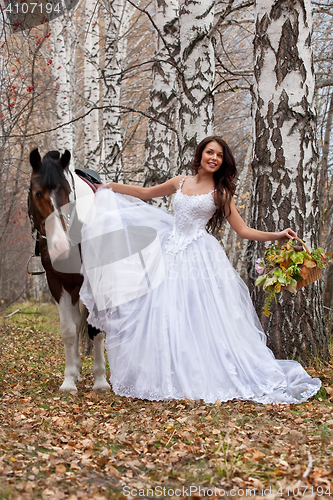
(304, 245)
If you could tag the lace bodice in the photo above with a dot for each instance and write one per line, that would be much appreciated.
(192, 212)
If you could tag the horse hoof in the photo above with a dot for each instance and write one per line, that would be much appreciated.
(68, 387)
(102, 386)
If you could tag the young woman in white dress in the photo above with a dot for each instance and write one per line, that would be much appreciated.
(179, 320)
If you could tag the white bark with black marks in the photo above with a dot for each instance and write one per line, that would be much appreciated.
(196, 77)
(236, 248)
(161, 145)
(63, 67)
(285, 165)
(91, 85)
(117, 14)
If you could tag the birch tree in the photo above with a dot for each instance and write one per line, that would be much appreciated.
(64, 54)
(285, 164)
(196, 76)
(161, 147)
(236, 248)
(91, 84)
(117, 14)
(327, 201)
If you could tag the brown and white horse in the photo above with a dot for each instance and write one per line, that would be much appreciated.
(57, 203)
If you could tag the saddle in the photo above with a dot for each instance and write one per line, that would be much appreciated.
(91, 177)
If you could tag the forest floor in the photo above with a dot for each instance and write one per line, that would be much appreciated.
(101, 446)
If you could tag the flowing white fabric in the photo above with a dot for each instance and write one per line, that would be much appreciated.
(179, 321)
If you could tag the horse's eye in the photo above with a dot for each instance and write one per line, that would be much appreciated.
(39, 194)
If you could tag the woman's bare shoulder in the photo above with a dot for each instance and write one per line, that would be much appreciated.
(177, 180)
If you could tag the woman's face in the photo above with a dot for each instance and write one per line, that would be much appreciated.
(212, 157)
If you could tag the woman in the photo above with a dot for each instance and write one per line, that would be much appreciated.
(179, 320)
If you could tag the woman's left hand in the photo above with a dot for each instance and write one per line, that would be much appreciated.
(285, 234)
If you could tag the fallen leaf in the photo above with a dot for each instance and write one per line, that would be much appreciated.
(60, 469)
(254, 454)
(109, 468)
(74, 465)
(255, 483)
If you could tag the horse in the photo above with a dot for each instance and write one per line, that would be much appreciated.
(54, 210)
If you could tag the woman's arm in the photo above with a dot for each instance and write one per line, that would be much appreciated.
(145, 193)
(245, 232)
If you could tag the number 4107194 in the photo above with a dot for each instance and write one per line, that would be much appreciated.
(29, 8)
(304, 490)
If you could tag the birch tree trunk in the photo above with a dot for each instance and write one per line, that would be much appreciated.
(285, 165)
(91, 85)
(160, 146)
(325, 182)
(64, 55)
(327, 203)
(196, 76)
(236, 248)
(116, 19)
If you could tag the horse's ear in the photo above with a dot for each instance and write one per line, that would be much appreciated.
(65, 159)
(35, 159)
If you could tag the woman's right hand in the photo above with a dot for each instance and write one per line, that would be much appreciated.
(286, 234)
(101, 186)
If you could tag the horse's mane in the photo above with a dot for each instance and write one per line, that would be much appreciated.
(51, 172)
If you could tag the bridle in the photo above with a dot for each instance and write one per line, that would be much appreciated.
(41, 222)
(65, 219)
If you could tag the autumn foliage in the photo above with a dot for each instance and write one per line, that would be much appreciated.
(90, 446)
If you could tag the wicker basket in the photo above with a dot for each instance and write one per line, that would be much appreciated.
(314, 274)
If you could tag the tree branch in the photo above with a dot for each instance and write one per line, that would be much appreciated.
(324, 82)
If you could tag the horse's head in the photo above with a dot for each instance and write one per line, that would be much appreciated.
(49, 191)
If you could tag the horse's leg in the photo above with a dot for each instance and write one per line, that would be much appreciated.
(77, 320)
(68, 334)
(101, 383)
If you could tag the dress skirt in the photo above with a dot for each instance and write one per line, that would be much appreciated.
(179, 323)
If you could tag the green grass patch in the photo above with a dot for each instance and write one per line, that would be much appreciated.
(36, 315)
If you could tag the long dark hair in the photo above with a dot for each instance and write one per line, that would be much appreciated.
(224, 180)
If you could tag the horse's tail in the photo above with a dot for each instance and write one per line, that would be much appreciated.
(86, 332)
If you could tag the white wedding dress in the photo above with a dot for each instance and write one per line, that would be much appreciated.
(179, 321)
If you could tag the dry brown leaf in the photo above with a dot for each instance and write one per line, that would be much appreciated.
(53, 494)
(154, 438)
(88, 453)
(283, 463)
(254, 454)
(258, 485)
(85, 444)
(74, 465)
(101, 461)
(110, 468)
(60, 469)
